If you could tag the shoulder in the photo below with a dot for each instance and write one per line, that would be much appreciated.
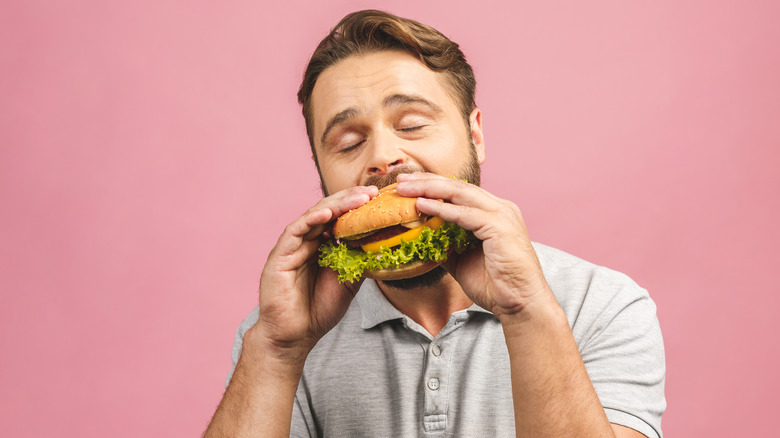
(602, 305)
(585, 289)
(561, 266)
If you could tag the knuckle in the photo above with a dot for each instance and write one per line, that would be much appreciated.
(463, 184)
(316, 206)
(459, 211)
(508, 216)
(505, 211)
(351, 191)
(510, 209)
(290, 229)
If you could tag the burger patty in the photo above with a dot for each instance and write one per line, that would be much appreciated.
(384, 233)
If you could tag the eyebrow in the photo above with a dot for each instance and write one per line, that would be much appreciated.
(392, 100)
(403, 99)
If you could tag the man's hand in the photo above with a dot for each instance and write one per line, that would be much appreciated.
(299, 301)
(551, 390)
(503, 275)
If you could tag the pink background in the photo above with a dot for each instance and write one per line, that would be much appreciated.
(143, 143)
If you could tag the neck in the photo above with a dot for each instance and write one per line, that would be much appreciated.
(429, 306)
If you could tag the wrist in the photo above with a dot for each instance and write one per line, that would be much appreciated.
(261, 393)
(544, 310)
(279, 359)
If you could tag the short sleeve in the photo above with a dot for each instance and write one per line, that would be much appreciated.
(302, 425)
(238, 340)
(624, 356)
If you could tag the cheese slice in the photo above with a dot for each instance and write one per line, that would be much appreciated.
(432, 223)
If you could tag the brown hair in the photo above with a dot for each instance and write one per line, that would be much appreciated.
(369, 31)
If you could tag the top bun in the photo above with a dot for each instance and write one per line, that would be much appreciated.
(386, 209)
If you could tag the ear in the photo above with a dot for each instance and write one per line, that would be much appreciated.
(475, 124)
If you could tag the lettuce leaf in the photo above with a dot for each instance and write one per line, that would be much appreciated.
(429, 245)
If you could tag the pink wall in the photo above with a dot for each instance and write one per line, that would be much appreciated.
(143, 143)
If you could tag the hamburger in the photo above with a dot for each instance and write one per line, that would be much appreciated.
(389, 239)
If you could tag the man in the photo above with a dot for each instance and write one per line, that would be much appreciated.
(507, 339)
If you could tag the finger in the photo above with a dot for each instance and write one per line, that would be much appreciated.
(317, 223)
(331, 277)
(345, 200)
(332, 297)
(451, 263)
(470, 218)
(305, 253)
(312, 224)
(338, 204)
(292, 236)
(451, 190)
(455, 258)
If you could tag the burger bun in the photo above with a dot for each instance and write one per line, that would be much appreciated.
(409, 270)
(386, 209)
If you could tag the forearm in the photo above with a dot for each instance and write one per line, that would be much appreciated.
(553, 395)
(258, 402)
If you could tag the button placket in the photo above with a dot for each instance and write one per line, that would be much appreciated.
(435, 415)
(437, 370)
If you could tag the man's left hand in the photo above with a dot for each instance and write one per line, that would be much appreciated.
(503, 274)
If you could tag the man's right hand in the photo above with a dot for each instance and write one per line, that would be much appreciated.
(299, 300)
(299, 303)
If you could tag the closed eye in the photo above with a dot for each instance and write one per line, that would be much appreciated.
(353, 147)
(411, 129)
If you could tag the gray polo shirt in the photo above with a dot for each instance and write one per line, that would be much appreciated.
(380, 374)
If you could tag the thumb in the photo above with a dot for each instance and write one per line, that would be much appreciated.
(451, 264)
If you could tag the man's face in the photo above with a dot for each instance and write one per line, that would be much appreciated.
(384, 112)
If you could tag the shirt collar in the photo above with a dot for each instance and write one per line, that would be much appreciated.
(376, 309)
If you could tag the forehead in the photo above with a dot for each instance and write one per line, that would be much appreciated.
(363, 82)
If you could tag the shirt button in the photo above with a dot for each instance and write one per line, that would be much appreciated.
(436, 350)
(433, 383)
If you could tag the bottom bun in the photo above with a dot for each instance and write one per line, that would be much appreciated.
(408, 270)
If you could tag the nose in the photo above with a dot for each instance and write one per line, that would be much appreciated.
(385, 155)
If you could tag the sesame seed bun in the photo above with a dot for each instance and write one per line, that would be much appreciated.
(386, 209)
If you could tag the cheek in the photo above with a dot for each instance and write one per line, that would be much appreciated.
(446, 155)
(339, 176)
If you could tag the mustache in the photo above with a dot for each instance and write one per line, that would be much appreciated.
(389, 178)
